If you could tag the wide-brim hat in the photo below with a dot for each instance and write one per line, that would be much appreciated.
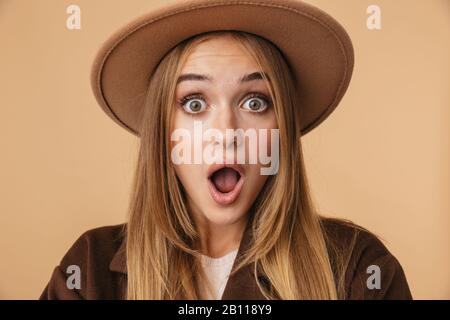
(316, 47)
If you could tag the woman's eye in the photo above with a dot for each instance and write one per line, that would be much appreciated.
(193, 105)
(256, 104)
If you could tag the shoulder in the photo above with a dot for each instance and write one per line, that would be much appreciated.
(371, 270)
(100, 242)
(345, 233)
(88, 261)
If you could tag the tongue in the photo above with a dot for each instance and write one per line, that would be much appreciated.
(225, 179)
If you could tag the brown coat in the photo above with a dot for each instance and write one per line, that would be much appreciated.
(100, 254)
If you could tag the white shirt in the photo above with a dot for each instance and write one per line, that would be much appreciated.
(217, 271)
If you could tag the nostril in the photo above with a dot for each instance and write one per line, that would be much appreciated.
(231, 141)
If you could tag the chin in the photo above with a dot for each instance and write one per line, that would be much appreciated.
(221, 216)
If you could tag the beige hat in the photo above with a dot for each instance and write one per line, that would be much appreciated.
(316, 46)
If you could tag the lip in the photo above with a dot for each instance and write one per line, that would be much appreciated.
(225, 198)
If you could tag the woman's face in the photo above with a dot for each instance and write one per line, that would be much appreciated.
(211, 94)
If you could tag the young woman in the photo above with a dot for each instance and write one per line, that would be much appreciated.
(223, 229)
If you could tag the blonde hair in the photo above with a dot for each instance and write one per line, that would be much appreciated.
(289, 244)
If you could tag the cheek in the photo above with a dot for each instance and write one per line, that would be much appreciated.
(267, 134)
(177, 121)
(189, 176)
(181, 129)
(182, 173)
(265, 120)
(255, 180)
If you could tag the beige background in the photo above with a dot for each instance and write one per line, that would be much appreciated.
(382, 159)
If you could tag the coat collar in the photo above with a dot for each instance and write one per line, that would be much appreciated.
(240, 286)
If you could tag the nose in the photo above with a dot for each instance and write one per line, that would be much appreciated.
(223, 119)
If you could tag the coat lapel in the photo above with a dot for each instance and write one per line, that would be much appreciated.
(119, 261)
(240, 285)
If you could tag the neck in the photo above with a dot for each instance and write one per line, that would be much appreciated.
(218, 240)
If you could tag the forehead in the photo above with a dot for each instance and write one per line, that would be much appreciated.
(219, 53)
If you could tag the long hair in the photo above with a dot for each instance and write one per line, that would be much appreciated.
(289, 245)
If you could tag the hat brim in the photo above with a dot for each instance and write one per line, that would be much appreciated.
(317, 48)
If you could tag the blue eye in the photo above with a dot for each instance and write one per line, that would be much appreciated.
(256, 103)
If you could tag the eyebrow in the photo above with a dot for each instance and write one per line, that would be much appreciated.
(203, 77)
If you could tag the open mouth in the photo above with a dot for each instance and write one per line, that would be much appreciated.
(225, 183)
